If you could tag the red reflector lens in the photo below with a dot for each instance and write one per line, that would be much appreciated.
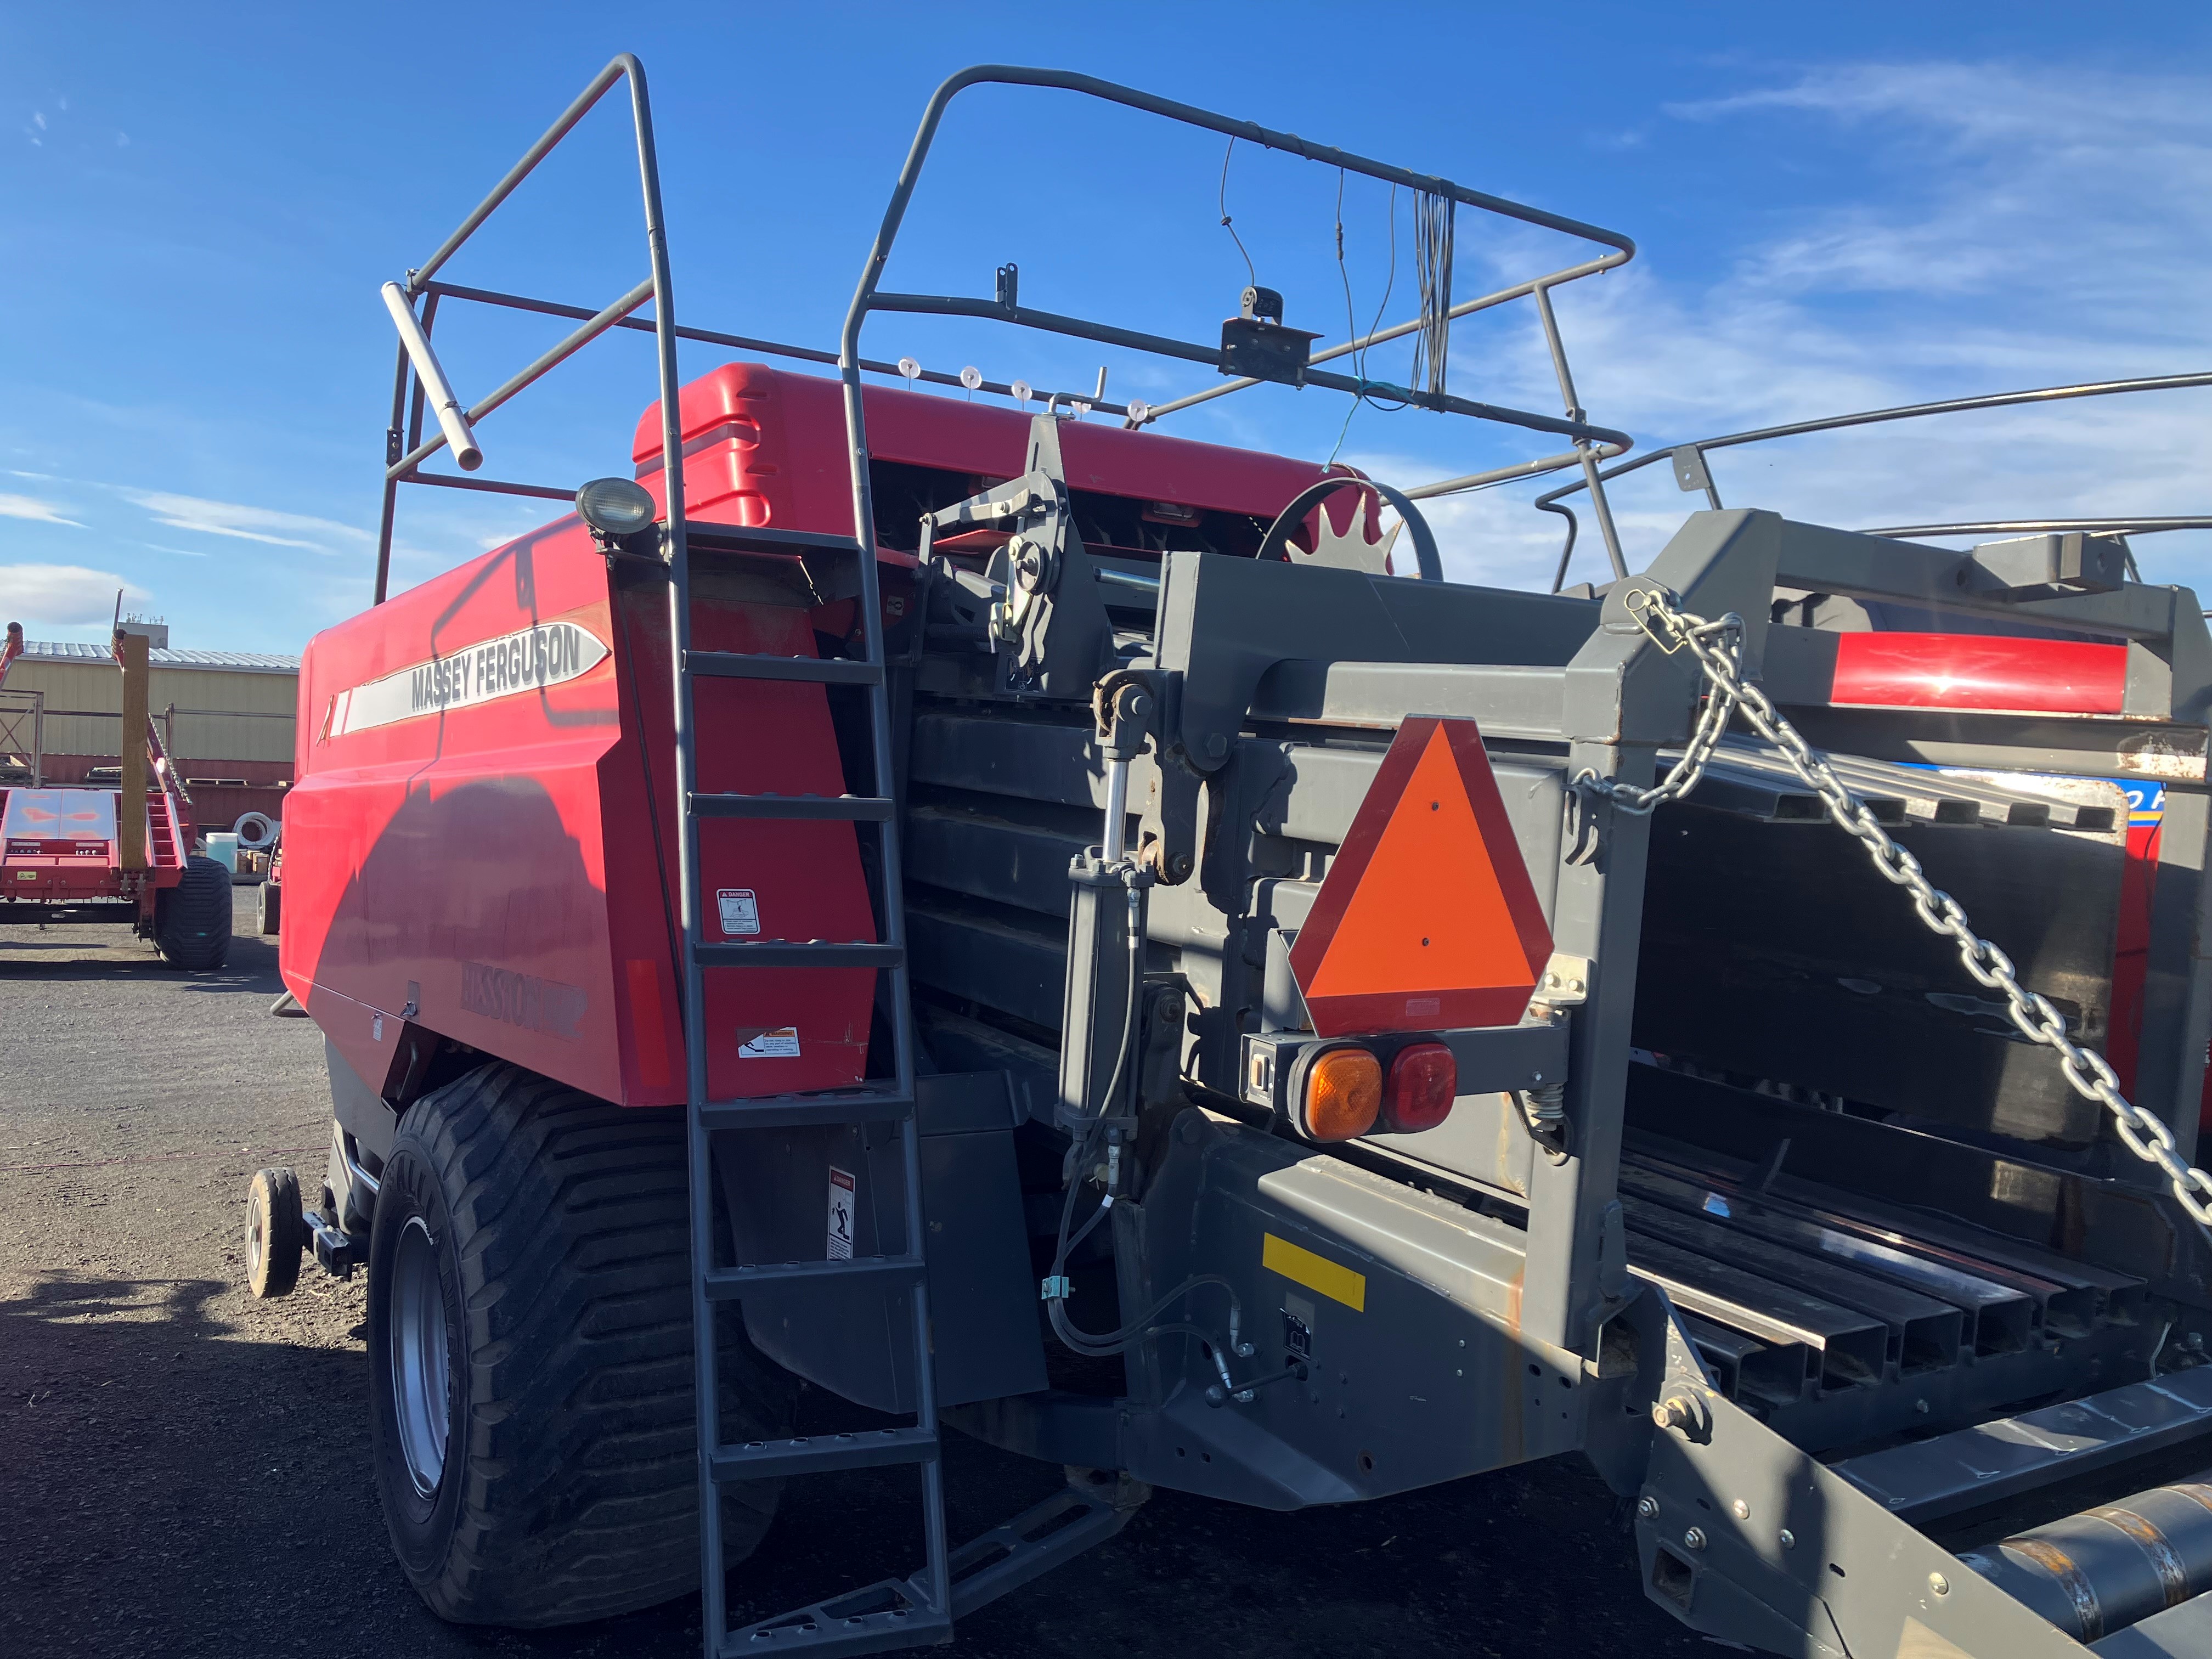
(1343, 1092)
(1418, 1094)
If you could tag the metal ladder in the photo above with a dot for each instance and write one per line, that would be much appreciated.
(896, 1612)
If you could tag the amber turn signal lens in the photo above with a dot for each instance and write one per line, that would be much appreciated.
(1418, 1092)
(1343, 1093)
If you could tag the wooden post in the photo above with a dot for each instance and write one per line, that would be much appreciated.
(131, 852)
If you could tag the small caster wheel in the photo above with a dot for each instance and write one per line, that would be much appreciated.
(276, 1233)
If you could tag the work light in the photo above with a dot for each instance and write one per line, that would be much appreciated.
(616, 507)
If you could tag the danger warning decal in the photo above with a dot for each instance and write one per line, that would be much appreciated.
(1427, 920)
(529, 660)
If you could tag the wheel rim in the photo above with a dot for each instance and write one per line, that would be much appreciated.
(256, 1239)
(419, 1370)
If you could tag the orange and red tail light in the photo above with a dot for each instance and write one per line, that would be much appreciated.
(1347, 1090)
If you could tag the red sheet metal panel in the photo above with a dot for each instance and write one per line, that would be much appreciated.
(472, 845)
(1979, 670)
(765, 447)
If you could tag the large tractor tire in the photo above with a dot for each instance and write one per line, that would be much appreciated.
(191, 920)
(529, 1358)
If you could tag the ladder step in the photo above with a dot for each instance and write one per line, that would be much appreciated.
(856, 809)
(867, 1449)
(1034, 1542)
(876, 1619)
(756, 665)
(734, 1284)
(790, 1111)
(704, 537)
(815, 953)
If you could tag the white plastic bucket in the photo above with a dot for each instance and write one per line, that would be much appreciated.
(222, 848)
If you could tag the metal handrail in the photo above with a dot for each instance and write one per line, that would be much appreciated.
(745, 343)
(1691, 472)
(1591, 443)
(417, 363)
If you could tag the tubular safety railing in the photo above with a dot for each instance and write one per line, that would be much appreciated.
(1693, 473)
(420, 386)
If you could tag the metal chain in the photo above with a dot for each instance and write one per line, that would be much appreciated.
(1718, 648)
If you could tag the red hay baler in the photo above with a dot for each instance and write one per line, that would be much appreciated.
(115, 855)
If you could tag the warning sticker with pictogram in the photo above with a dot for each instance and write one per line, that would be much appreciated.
(1427, 921)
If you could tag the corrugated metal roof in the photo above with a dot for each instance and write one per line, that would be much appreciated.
(236, 662)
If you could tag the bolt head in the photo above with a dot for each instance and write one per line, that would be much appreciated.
(1921, 1407)
(1674, 1412)
(1939, 1584)
(1694, 1539)
(1789, 1539)
(1742, 1509)
(1647, 1507)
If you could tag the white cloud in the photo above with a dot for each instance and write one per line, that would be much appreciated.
(181, 552)
(66, 595)
(252, 524)
(30, 507)
(2021, 227)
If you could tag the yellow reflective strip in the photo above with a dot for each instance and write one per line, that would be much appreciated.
(1316, 1273)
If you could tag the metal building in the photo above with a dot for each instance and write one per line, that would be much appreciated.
(225, 716)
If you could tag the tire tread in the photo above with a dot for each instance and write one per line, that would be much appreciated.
(193, 920)
(574, 1222)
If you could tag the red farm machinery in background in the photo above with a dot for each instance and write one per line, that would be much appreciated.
(118, 855)
(1042, 929)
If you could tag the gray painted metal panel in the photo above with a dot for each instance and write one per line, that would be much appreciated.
(1968, 1467)
(988, 960)
(1791, 958)
(991, 859)
(2181, 1633)
(1506, 701)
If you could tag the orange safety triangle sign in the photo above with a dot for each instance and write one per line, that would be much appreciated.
(1427, 921)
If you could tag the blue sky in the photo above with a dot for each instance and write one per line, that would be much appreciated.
(1836, 208)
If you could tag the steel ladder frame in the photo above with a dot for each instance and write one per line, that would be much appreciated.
(925, 1612)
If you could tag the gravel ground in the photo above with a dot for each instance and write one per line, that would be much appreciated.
(183, 1470)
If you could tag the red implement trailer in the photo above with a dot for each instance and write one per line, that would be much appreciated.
(1039, 929)
(79, 855)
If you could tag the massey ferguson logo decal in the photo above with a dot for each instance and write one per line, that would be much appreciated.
(528, 660)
